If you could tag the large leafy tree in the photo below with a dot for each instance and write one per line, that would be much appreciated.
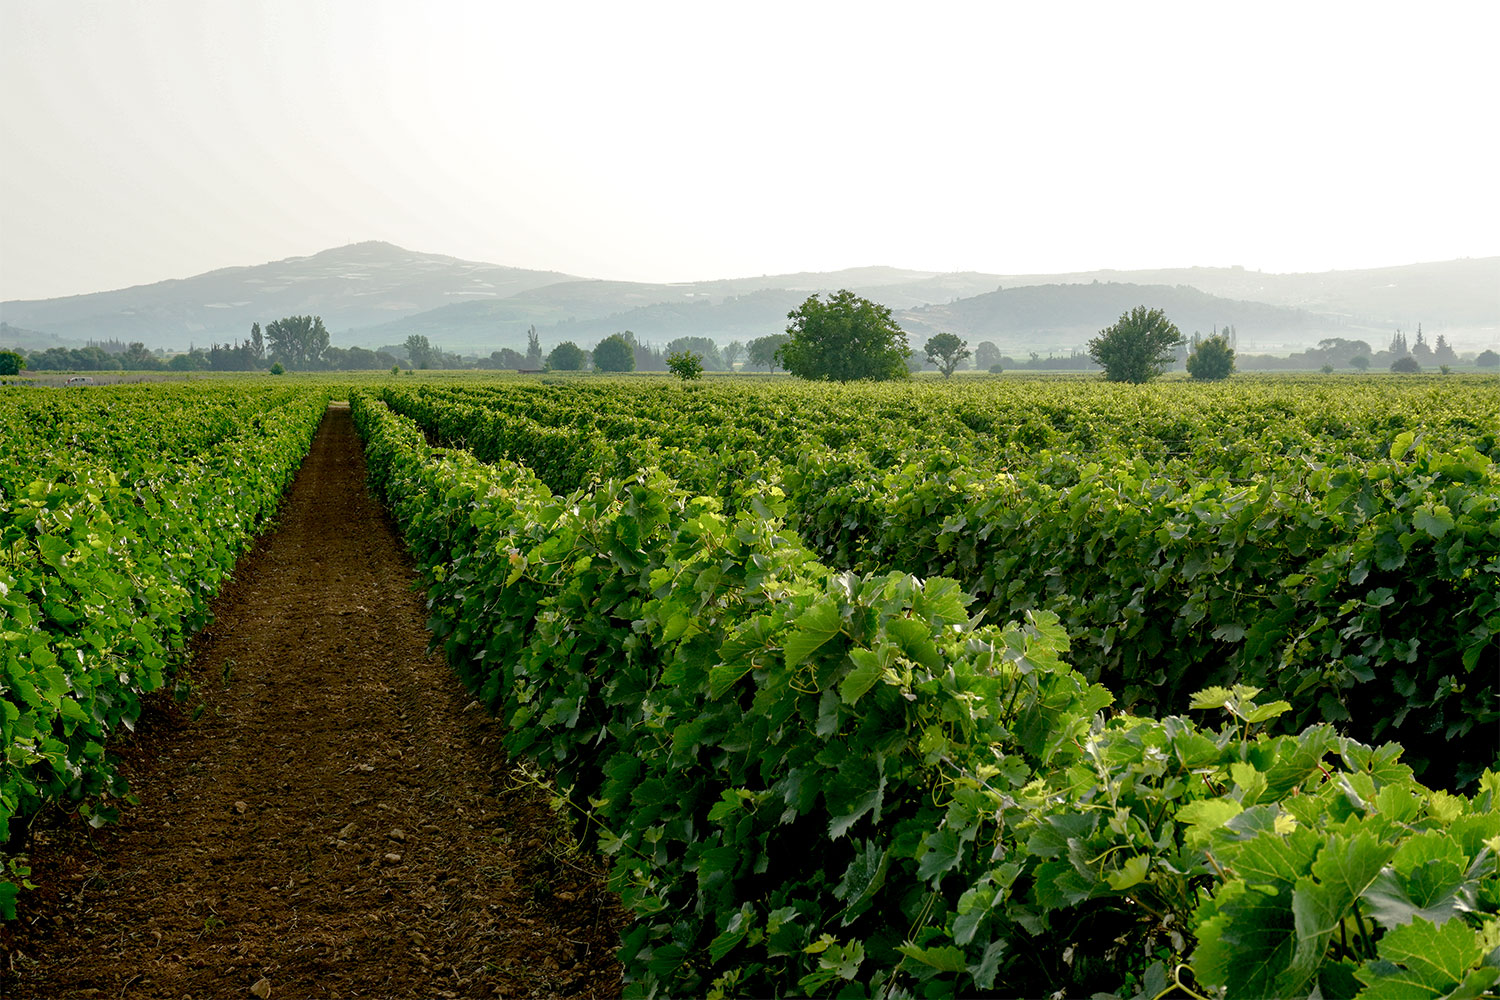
(1211, 359)
(762, 350)
(614, 354)
(566, 357)
(843, 339)
(11, 362)
(947, 351)
(1138, 347)
(298, 342)
(419, 350)
(706, 349)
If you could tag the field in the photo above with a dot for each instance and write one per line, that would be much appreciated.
(998, 686)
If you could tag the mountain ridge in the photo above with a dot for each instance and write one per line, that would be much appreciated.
(373, 293)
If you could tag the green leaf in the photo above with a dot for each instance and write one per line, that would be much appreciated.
(1248, 943)
(1436, 520)
(1268, 711)
(862, 880)
(1203, 816)
(1389, 552)
(1421, 959)
(813, 628)
(53, 550)
(1433, 891)
(1342, 872)
(1132, 872)
(858, 681)
(946, 958)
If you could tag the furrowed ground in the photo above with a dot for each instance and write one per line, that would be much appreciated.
(339, 822)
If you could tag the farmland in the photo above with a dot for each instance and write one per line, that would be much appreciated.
(999, 686)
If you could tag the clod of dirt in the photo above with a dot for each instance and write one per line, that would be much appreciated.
(397, 834)
(262, 988)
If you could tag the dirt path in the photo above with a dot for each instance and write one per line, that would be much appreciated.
(340, 822)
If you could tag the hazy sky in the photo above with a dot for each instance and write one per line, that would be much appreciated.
(151, 139)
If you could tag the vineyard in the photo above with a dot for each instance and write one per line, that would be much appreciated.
(121, 513)
(995, 687)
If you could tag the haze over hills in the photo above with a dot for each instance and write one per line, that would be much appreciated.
(372, 294)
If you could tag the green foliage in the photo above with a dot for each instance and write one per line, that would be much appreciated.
(1406, 365)
(121, 512)
(1138, 347)
(844, 339)
(1212, 359)
(706, 349)
(1290, 534)
(276, 369)
(298, 342)
(11, 363)
(1488, 359)
(762, 350)
(419, 351)
(614, 354)
(1360, 361)
(947, 351)
(685, 365)
(841, 783)
(566, 357)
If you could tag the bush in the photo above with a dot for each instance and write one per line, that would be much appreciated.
(276, 369)
(1212, 359)
(685, 365)
(1406, 366)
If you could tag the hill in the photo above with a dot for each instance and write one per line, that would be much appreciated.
(357, 285)
(371, 294)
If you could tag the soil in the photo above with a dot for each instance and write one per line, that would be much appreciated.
(339, 821)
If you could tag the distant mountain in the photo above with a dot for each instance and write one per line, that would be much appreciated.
(1065, 317)
(373, 294)
(357, 285)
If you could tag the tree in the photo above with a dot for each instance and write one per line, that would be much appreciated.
(1420, 350)
(704, 347)
(1360, 361)
(1138, 347)
(614, 354)
(1406, 365)
(1488, 359)
(762, 350)
(297, 341)
(732, 352)
(1212, 359)
(137, 359)
(844, 339)
(1444, 352)
(533, 348)
(192, 361)
(566, 357)
(946, 351)
(986, 355)
(419, 350)
(11, 362)
(685, 365)
(257, 343)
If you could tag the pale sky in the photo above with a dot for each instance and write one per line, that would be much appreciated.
(150, 139)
